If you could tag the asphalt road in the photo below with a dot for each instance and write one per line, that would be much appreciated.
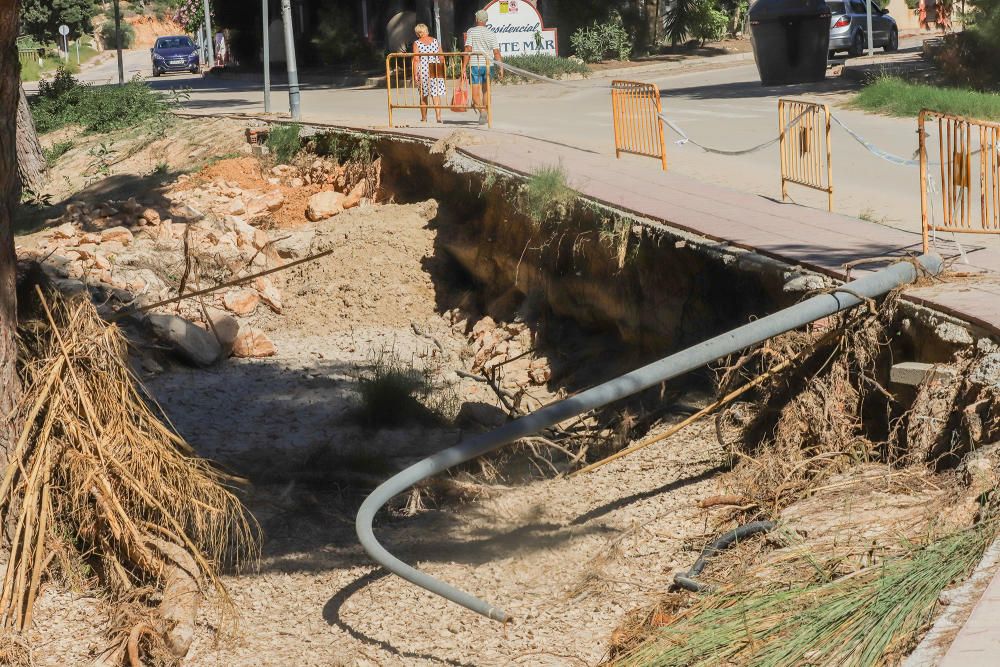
(719, 105)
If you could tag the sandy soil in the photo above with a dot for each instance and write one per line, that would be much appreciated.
(567, 557)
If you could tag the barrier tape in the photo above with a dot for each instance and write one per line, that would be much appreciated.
(685, 139)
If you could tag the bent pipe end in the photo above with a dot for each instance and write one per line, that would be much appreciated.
(868, 286)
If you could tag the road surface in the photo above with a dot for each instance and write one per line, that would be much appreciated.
(719, 105)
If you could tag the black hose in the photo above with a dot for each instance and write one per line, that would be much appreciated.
(686, 580)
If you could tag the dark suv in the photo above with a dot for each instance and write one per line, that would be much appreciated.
(174, 54)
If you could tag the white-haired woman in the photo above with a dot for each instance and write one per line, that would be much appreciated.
(428, 71)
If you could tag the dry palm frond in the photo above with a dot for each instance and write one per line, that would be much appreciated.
(96, 460)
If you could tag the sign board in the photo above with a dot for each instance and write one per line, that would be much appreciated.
(64, 30)
(519, 29)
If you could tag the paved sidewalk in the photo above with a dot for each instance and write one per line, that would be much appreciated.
(813, 238)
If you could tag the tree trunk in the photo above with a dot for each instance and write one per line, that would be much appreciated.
(30, 159)
(10, 195)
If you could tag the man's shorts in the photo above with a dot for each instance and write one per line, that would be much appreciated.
(477, 73)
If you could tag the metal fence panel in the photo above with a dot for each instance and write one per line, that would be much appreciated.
(967, 153)
(805, 146)
(636, 109)
(405, 91)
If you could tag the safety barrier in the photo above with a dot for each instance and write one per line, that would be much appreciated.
(636, 111)
(804, 145)
(409, 76)
(960, 143)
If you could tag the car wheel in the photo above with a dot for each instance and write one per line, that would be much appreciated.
(858, 44)
(156, 72)
(194, 70)
(893, 43)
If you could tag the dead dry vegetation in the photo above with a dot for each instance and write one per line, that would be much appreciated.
(309, 385)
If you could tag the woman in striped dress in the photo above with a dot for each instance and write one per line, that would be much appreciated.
(428, 71)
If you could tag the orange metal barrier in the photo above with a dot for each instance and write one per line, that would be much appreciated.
(635, 108)
(804, 144)
(968, 204)
(406, 88)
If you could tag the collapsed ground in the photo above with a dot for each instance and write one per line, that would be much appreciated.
(304, 411)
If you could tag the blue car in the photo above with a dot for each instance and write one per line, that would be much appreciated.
(175, 54)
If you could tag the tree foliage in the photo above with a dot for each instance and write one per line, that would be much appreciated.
(41, 18)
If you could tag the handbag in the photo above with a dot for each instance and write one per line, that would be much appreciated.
(460, 98)
(435, 70)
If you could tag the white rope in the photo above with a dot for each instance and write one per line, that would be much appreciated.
(685, 139)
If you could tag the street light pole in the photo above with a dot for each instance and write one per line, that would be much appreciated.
(871, 39)
(210, 35)
(267, 56)
(294, 105)
(437, 23)
(118, 44)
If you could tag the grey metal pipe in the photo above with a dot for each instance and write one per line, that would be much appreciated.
(817, 307)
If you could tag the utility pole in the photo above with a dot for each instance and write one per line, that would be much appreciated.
(118, 44)
(871, 39)
(210, 35)
(437, 24)
(267, 56)
(294, 105)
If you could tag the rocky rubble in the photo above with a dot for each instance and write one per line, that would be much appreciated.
(201, 233)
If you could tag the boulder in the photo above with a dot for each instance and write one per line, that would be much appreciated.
(323, 205)
(151, 216)
(274, 200)
(256, 206)
(242, 301)
(253, 344)
(236, 207)
(356, 194)
(293, 245)
(64, 231)
(269, 294)
(188, 341)
(120, 234)
(260, 239)
(225, 328)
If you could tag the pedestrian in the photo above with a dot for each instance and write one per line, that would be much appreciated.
(428, 72)
(481, 40)
(922, 15)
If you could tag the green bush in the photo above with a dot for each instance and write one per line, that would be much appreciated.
(107, 35)
(601, 40)
(707, 22)
(284, 142)
(552, 67)
(63, 101)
